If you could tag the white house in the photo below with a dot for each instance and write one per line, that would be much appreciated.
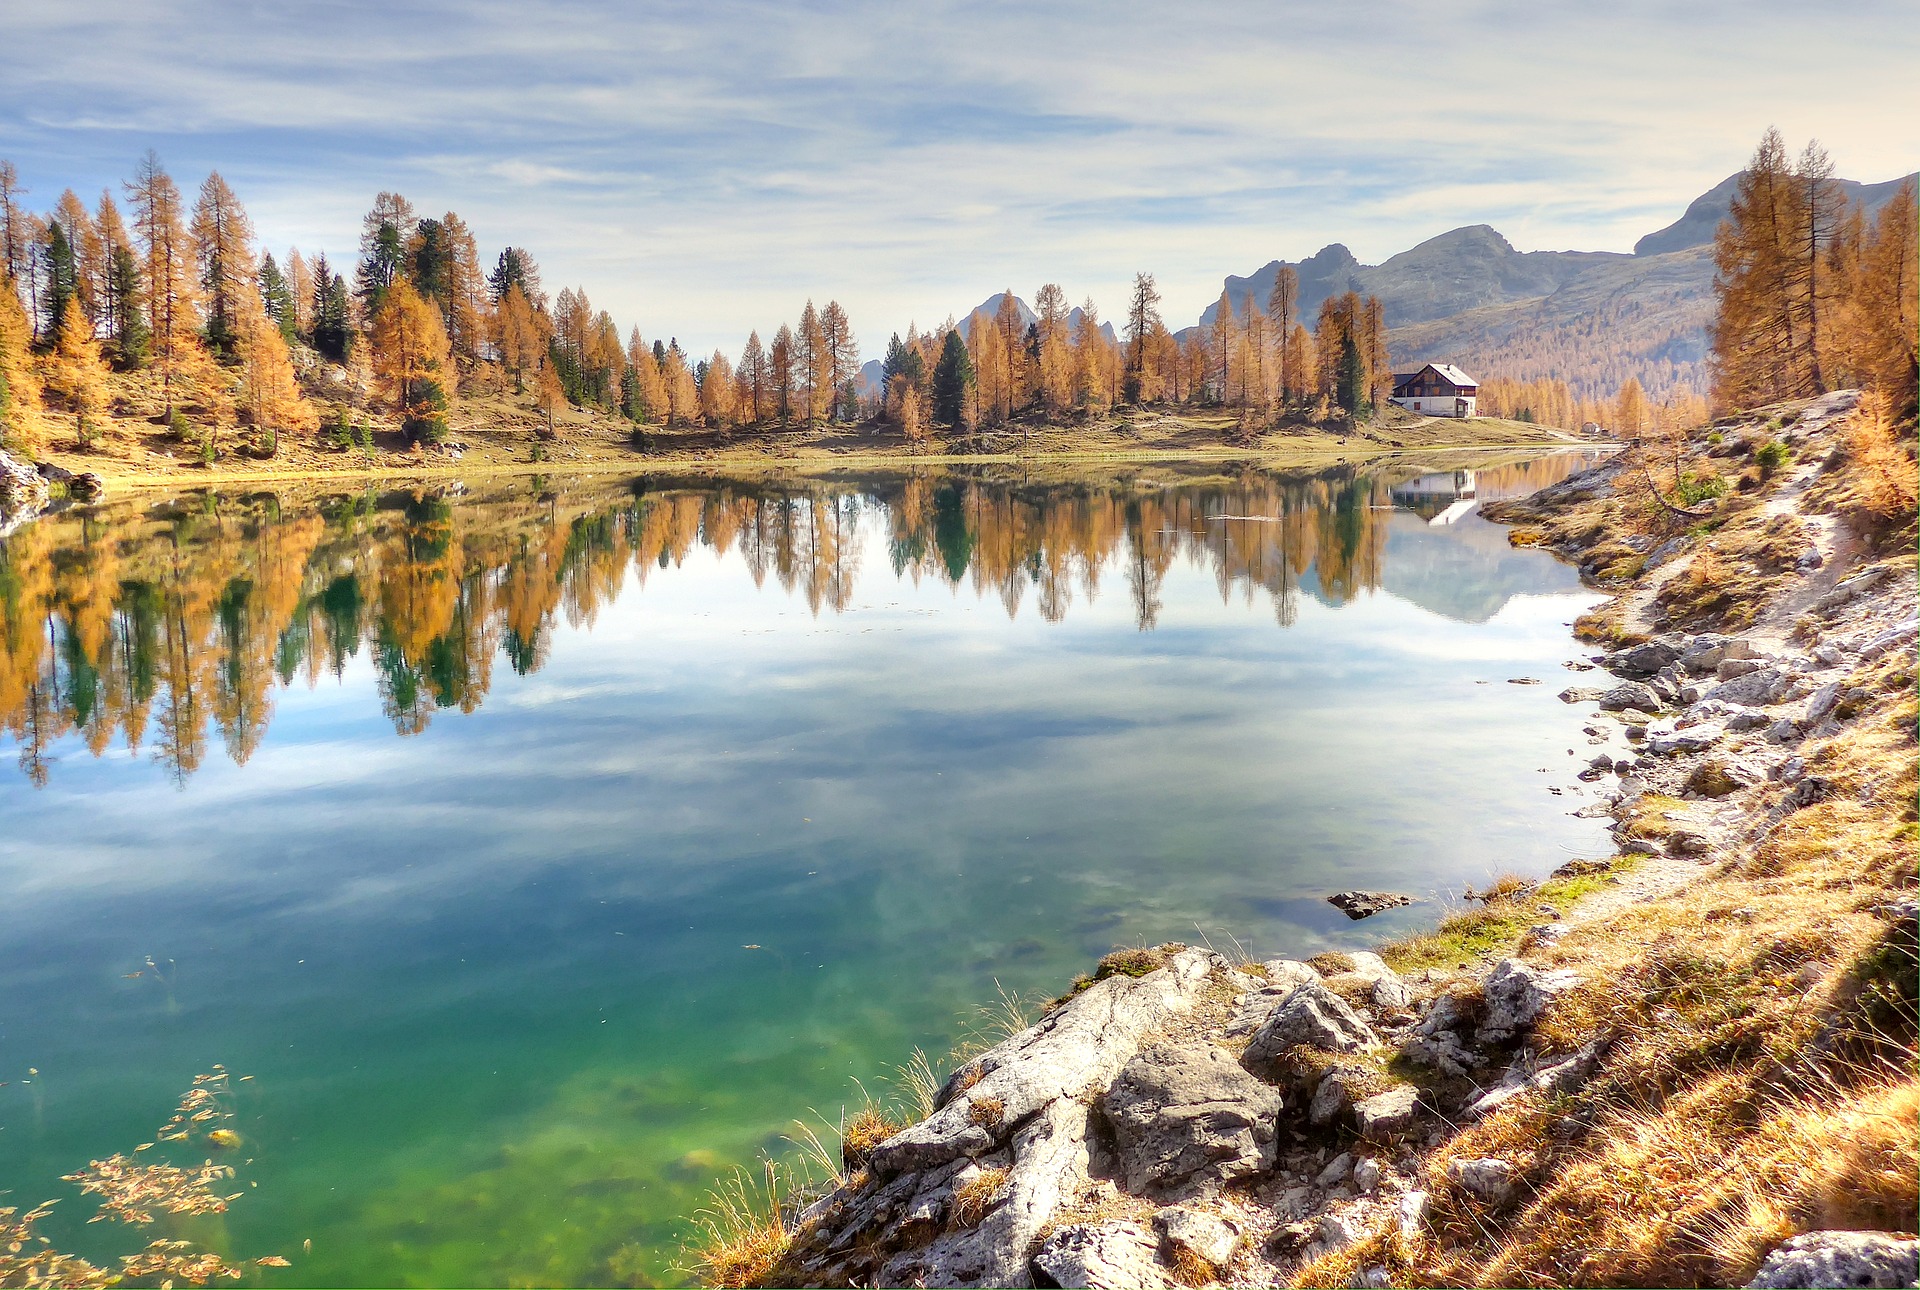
(1439, 390)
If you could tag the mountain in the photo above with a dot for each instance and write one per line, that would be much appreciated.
(1704, 213)
(1591, 318)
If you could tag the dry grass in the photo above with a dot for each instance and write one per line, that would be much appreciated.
(1131, 960)
(1331, 963)
(1497, 922)
(988, 1112)
(742, 1232)
(864, 1130)
(974, 1197)
(1189, 1269)
(919, 1085)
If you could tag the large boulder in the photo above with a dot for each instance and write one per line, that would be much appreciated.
(1642, 660)
(1516, 995)
(1699, 738)
(1116, 1255)
(1206, 1237)
(1188, 1113)
(1314, 1016)
(1630, 695)
(1841, 1259)
(1386, 1114)
(1756, 689)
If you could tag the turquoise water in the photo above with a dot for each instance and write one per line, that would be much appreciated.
(542, 850)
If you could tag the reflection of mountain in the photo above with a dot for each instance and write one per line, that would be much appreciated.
(1466, 570)
(161, 624)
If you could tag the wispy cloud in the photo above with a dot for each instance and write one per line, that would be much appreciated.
(703, 167)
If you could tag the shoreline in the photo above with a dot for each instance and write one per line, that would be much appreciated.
(1445, 1099)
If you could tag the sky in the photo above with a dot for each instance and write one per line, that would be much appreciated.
(704, 168)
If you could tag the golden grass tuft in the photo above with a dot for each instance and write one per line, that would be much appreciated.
(1189, 1269)
(978, 1194)
(864, 1130)
(1332, 963)
(987, 1112)
(1131, 960)
(741, 1233)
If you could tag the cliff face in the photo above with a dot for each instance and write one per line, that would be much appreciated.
(1687, 1062)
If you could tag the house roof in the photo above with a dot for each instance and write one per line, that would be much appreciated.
(1451, 373)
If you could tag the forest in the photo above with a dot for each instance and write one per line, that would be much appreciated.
(145, 307)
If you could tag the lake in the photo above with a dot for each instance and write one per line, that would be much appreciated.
(542, 847)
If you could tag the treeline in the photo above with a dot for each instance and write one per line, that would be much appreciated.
(1810, 296)
(1629, 412)
(235, 336)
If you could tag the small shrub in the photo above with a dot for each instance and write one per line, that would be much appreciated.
(178, 426)
(339, 430)
(1770, 457)
(207, 452)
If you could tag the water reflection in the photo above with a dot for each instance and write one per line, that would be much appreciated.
(153, 626)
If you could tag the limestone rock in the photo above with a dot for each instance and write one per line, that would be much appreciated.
(1332, 1097)
(1823, 701)
(1487, 1180)
(1115, 1255)
(1312, 1015)
(1516, 995)
(1187, 1113)
(1412, 1215)
(1841, 1259)
(1642, 660)
(1290, 972)
(1385, 1114)
(1206, 1236)
(1694, 739)
(1630, 694)
(1366, 1175)
(1755, 689)
(1084, 1043)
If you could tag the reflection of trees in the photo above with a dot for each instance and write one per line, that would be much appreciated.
(200, 618)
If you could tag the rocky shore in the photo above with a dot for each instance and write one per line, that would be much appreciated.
(1496, 1103)
(28, 489)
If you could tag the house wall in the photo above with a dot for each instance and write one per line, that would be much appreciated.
(1440, 405)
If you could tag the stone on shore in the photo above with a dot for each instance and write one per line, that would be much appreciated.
(1314, 1016)
(1840, 1259)
(1516, 995)
(1189, 1113)
(1365, 904)
(1630, 694)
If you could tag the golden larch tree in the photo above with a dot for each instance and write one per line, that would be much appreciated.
(412, 359)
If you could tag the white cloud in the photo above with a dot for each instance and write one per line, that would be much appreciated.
(703, 168)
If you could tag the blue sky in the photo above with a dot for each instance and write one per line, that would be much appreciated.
(704, 168)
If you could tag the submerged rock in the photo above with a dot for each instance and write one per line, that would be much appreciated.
(1365, 904)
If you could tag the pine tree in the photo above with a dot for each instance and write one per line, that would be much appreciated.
(276, 297)
(113, 305)
(332, 314)
(62, 275)
(132, 341)
(223, 240)
(953, 383)
(1351, 387)
(516, 268)
(88, 251)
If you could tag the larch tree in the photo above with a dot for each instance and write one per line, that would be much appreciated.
(412, 359)
(223, 244)
(1013, 331)
(649, 391)
(1220, 349)
(843, 359)
(168, 283)
(989, 350)
(14, 242)
(1878, 314)
(75, 374)
(814, 366)
(780, 371)
(1283, 306)
(1053, 363)
(1143, 316)
(300, 285)
(114, 299)
(755, 383)
(270, 397)
(1091, 387)
(521, 335)
(718, 406)
(20, 424)
(683, 397)
(1630, 411)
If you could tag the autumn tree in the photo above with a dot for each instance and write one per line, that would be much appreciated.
(843, 359)
(384, 236)
(683, 397)
(20, 426)
(644, 395)
(1283, 304)
(813, 363)
(88, 252)
(521, 335)
(270, 397)
(780, 371)
(1143, 316)
(300, 287)
(223, 245)
(1013, 329)
(756, 385)
(411, 357)
(988, 350)
(718, 406)
(14, 243)
(168, 279)
(1876, 326)
(75, 374)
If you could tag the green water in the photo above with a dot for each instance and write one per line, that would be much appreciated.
(542, 850)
